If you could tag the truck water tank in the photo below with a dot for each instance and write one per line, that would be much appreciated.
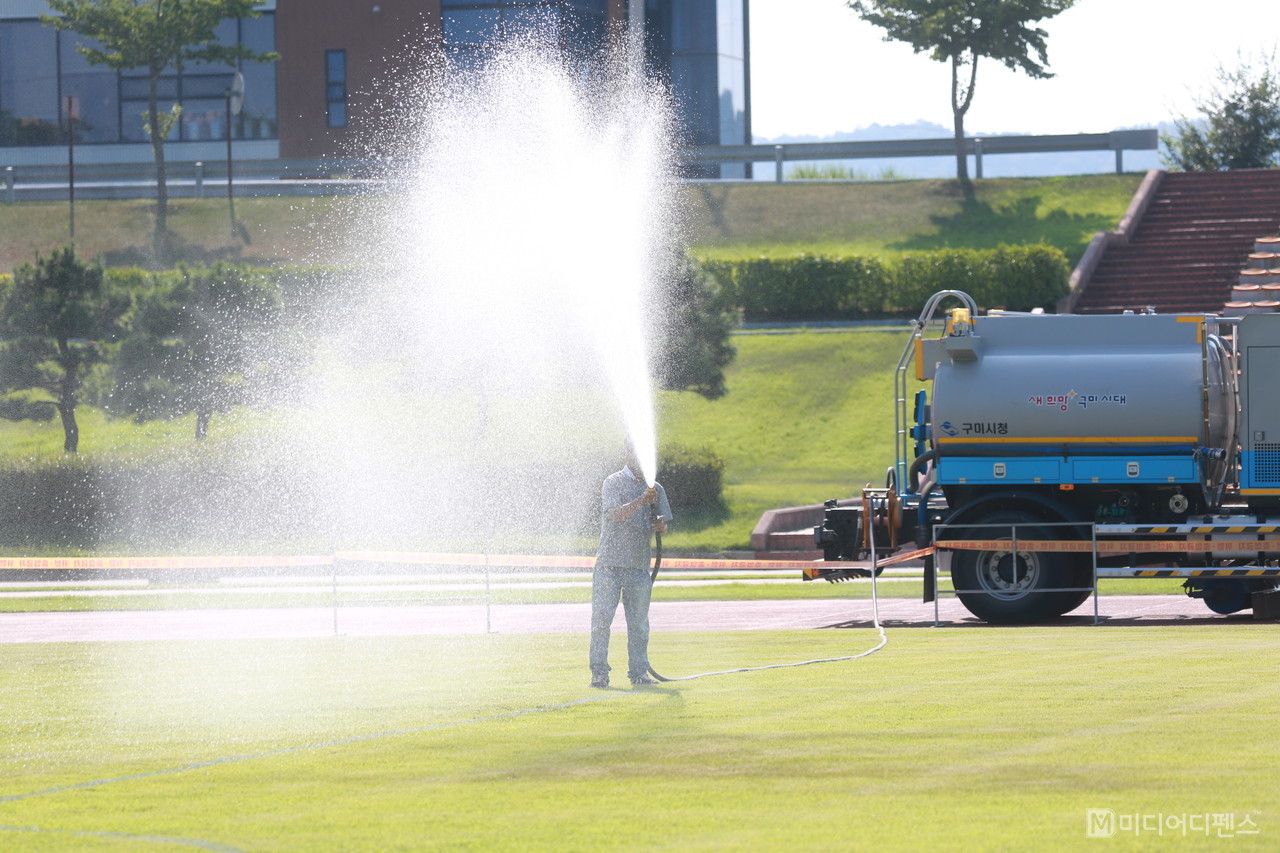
(1084, 385)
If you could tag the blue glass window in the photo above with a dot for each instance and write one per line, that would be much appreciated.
(335, 79)
(40, 69)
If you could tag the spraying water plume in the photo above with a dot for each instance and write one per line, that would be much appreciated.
(523, 250)
(472, 385)
(540, 194)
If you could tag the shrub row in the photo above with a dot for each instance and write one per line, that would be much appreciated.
(814, 287)
(693, 478)
(251, 498)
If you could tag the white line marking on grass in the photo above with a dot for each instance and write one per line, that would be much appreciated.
(233, 759)
(156, 839)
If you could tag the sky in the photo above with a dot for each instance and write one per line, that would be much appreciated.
(817, 69)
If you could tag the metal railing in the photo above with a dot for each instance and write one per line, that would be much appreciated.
(1119, 141)
(310, 176)
(938, 545)
(188, 179)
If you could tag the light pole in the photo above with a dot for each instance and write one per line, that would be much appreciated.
(71, 164)
(235, 102)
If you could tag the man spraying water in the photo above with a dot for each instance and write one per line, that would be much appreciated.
(631, 510)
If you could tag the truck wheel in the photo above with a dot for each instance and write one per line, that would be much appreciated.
(1227, 596)
(1005, 588)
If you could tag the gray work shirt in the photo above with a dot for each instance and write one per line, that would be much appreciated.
(625, 544)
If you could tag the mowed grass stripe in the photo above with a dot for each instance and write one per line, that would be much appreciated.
(948, 739)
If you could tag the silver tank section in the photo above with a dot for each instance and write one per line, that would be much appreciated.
(1083, 385)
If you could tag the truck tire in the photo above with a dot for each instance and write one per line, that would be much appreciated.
(1005, 588)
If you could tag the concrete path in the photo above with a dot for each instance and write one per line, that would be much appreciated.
(265, 623)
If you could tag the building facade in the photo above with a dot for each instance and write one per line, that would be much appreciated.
(338, 61)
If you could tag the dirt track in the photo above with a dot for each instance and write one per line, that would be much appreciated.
(150, 625)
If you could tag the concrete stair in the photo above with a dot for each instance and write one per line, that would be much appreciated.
(787, 533)
(1189, 245)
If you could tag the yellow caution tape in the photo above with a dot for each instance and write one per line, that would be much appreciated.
(564, 562)
(1111, 547)
(159, 562)
(422, 558)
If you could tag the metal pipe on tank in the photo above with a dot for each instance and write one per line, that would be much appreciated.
(1206, 433)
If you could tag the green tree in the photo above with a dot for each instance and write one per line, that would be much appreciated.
(960, 31)
(55, 319)
(691, 342)
(202, 344)
(1241, 124)
(158, 35)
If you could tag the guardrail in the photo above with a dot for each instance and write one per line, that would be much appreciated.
(187, 179)
(1119, 141)
(313, 176)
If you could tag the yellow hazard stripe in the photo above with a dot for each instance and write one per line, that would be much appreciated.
(1204, 573)
(1244, 528)
(1109, 547)
(1070, 439)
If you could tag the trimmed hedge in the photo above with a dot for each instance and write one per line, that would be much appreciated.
(693, 478)
(805, 287)
(812, 287)
(248, 497)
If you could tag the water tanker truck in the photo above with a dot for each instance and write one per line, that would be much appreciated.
(1052, 450)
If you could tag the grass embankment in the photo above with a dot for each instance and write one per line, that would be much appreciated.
(291, 230)
(947, 739)
(891, 218)
(731, 220)
(808, 415)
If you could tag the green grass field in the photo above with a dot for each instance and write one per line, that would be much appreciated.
(947, 739)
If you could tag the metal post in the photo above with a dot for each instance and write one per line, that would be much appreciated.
(1013, 559)
(8, 184)
(1094, 539)
(934, 543)
(977, 158)
(1119, 161)
(778, 151)
(488, 599)
(231, 202)
(199, 179)
(71, 166)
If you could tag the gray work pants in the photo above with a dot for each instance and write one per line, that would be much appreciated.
(633, 586)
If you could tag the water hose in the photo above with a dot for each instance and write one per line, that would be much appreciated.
(653, 578)
(875, 618)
